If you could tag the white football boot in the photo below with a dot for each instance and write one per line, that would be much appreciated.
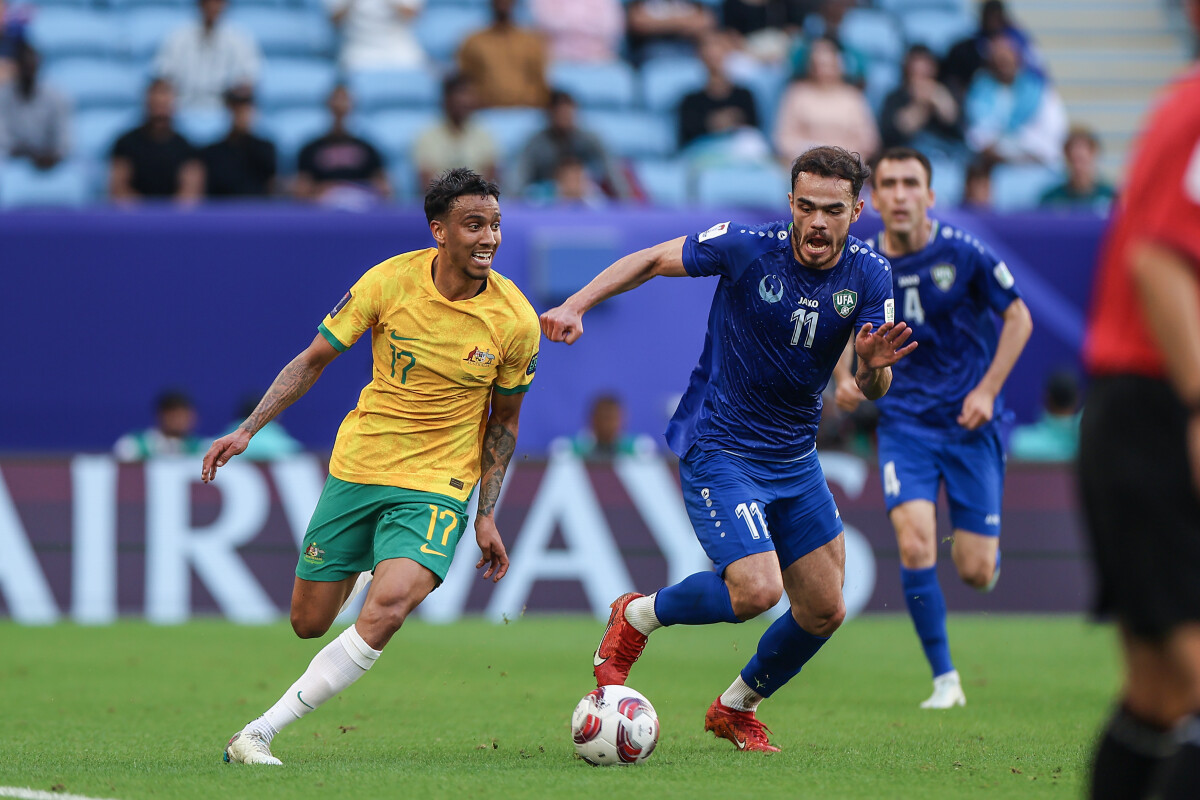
(360, 585)
(249, 747)
(947, 692)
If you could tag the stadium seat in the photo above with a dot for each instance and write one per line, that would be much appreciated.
(511, 127)
(595, 85)
(291, 130)
(96, 83)
(666, 80)
(403, 177)
(146, 28)
(291, 82)
(66, 32)
(441, 29)
(286, 31)
(874, 33)
(665, 181)
(22, 184)
(882, 78)
(767, 85)
(633, 134)
(937, 29)
(1019, 187)
(949, 177)
(963, 8)
(95, 130)
(375, 90)
(743, 185)
(394, 132)
(202, 126)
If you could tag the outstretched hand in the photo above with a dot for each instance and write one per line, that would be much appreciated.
(562, 324)
(491, 548)
(884, 347)
(221, 451)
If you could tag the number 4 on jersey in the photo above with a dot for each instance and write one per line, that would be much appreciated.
(914, 314)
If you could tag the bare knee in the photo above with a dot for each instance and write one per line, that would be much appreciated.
(752, 596)
(822, 618)
(379, 620)
(308, 625)
(977, 574)
(916, 535)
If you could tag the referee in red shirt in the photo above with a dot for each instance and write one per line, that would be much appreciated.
(1140, 455)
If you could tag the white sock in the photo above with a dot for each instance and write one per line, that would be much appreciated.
(339, 664)
(740, 697)
(640, 614)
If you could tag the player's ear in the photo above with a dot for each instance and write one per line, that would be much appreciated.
(932, 198)
(438, 230)
(858, 207)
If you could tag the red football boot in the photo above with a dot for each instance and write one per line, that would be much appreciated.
(739, 727)
(620, 647)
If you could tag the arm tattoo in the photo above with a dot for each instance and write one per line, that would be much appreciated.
(292, 382)
(499, 442)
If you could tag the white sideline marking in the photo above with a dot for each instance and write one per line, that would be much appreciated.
(36, 794)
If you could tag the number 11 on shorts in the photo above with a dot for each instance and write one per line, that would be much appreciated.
(749, 512)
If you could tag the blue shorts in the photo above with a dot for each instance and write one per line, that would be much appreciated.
(911, 466)
(740, 506)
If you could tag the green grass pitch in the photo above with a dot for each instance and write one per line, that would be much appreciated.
(480, 710)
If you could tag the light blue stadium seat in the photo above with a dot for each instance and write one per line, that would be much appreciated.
(511, 127)
(395, 132)
(202, 126)
(882, 78)
(874, 33)
(292, 129)
(60, 4)
(1019, 187)
(402, 174)
(22, 184)
(964, 8)
(146, 28)
(66, 32)
(441, 29)
(97, 83)
(666, 80)
(633, 134)
(378, 89)
(767, 85)
(95, 131)
(291, 82)
(937, 29)
(743, 185)
(949, 179)
(665, 181)
(595, 85)
(285, 31)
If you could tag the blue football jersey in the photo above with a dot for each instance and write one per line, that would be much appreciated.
(947, 292)
(775, 331)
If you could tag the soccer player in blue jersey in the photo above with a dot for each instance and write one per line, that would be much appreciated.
(940, 421)
(790, 296)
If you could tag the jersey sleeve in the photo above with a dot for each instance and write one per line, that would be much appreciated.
(994, 279)
(515, 374)
(724, 249)
(878, 306)
(1175, 227)
(356, 312)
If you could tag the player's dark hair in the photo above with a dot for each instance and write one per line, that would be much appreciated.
(830, 161)
(453, 184)
(171, 399)
(904, 154)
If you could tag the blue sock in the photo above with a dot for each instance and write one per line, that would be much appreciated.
(927, 607)
(698, 599)
(784, 648)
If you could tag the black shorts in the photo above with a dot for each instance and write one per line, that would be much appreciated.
(1141, 505)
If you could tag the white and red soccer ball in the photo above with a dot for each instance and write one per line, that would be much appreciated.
(614, 725)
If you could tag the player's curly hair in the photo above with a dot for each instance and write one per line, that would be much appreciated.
(453, 184)
(830, 161)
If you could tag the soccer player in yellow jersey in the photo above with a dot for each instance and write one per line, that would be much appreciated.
(455, 348)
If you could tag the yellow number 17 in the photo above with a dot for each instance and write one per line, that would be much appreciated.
(433, 518)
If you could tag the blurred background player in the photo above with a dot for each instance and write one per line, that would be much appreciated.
(173, 433)
(428, 427)
(745, 430)
(940, 423)
(1139, 458)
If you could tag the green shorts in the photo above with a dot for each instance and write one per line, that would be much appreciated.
(355, 526)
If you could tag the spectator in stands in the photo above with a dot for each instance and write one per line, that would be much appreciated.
(35, 119)
(173, 433)
(921, 112)
(12, 32)
(456, 140)
(377, 34)
(571, 186)
(1054, 437)
(203, 59)
(666, 28)
(827, 24)
(241, 164)
(824, 109)
(765, 28)
(581, 30)
(977, 185)
(1083, 188)
(338, 168)
(561, 138)
(505, 63)
(1012, 113)
(272, 442)
(154, 160)
(968, 56)
(721, 106)
(605, 436)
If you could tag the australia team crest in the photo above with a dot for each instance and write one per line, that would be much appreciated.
(844, 302)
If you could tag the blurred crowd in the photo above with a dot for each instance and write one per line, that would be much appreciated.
(578, 102)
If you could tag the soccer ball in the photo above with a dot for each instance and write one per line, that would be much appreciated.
(614, 725)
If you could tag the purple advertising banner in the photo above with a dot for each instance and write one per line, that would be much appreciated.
(88, 539)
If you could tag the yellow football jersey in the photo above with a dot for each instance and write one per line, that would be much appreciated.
(419, 423)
